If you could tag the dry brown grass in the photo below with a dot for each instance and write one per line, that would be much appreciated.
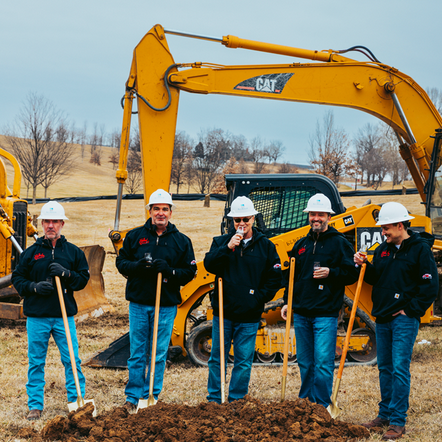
(89, 223)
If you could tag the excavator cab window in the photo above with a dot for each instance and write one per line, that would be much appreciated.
(434, 187)
(279, 199)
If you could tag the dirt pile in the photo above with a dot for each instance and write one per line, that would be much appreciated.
(241, 421)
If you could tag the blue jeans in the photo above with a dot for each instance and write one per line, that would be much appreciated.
(39, 331)
(141, 319)
(243, 335)
(315, 352)
(395, 342)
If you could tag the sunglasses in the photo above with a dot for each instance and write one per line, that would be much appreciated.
(238, 220)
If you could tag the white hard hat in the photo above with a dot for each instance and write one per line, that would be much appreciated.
(52, 210)
(319, 203)
(160, 196)
(392, 213)
(242, 206)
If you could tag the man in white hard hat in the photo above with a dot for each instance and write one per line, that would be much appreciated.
(51, 255)
(250, 269)
(324, 266)
(405, 284)
(155, 247)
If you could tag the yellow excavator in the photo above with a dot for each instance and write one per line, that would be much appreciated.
(156, 81)
(15, 226)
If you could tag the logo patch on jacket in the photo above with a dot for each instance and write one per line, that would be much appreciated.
(385, 253)
(396, 296)
(144, 241)
(39, 256)
(301, 250)
(252, 292)
(277, 266)
(193, 263)
(427, 276)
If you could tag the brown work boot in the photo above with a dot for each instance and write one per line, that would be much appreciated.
(34, 415)
(394, 432)
(130, 407)
(377, 422)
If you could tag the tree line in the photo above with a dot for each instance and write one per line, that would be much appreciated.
(44, 143)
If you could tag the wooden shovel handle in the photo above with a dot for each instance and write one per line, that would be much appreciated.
(222, 356)
(289, 316)
(80, 399)
(351, 321)
(155, 333)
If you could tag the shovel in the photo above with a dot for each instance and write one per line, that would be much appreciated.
(287, 328)
(144, 403)
(72, 406)
(333, 408)
(221, 341)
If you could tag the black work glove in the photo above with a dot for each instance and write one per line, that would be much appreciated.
(56, 269)
(160, 265)
(142, 266)
(42, 288)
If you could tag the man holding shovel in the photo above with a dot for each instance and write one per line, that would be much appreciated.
(156, 247)
(405, 284)
(51, 256)
(324, 266)
(250, 270)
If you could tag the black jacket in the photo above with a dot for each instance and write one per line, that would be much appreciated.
(321, 297)
(173, 246)
(403, 279)
(33, 267)
(251, 276)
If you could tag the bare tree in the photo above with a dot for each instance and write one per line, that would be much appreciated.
(182, 151)
(114, 159)
(134, 178)
(275, 149)
(82, 138)
(212, 151)
(115, 138)
(258, 154)
(189, 173)
(239, 147)
(287, 168)
(57, 167)
(367, 141)
(329, 149)
(39, 130)
(435, 95)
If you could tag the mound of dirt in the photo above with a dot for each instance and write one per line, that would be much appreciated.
(241, 421)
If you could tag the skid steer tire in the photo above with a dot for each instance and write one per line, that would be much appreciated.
(367, 326)
(199, 344)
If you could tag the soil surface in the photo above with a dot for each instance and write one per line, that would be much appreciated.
(241, 421)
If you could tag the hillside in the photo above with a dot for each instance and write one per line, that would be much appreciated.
(86, 179)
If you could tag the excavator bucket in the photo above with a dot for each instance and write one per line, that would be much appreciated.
(91, 301)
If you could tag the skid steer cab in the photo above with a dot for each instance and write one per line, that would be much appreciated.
(280, 200)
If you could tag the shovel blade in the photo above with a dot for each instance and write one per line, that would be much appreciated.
(334, 410)
(72, 406)
(144, 403)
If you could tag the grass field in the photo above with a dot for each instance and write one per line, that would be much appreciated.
(89, 223)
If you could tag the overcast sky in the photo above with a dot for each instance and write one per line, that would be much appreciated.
(78, 54)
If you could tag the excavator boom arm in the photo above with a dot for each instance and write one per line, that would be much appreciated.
(371, 87)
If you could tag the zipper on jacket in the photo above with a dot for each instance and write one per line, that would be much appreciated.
(158, 239)
(314, 247)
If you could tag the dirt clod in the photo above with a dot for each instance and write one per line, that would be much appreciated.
(241, 421)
